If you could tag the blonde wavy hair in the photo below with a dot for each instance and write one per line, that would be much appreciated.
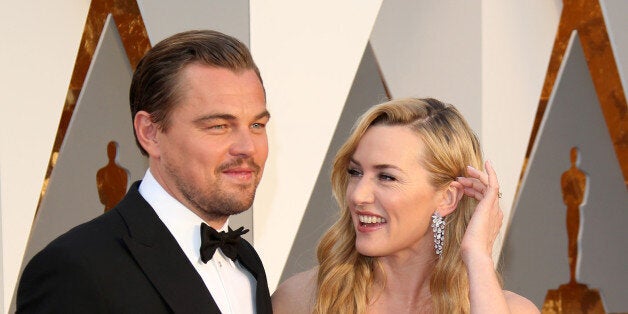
(344, 275)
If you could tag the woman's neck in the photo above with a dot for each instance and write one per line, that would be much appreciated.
(402, 283)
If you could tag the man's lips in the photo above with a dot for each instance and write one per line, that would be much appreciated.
(240, 173)
(239, 169)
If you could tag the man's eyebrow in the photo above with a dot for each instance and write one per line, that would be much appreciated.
(226, 116)
(222, 116)
(264, 114)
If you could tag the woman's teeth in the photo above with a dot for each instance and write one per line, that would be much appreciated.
(365, 219)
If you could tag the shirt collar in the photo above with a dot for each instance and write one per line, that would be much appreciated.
(182, 223)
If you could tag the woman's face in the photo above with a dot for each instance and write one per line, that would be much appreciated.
(389, 195)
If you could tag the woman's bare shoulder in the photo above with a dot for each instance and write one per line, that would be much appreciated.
(296, 294)
(519, 304)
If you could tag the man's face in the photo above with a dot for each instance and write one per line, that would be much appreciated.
(211, 156)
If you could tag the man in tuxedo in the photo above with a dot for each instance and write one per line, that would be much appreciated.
(199, 114)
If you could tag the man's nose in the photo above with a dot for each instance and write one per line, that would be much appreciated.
(243, 144)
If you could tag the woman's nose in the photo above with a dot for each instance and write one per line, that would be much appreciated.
(360, 191)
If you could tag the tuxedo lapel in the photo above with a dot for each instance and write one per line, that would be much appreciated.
(249, 259)
(162, 260)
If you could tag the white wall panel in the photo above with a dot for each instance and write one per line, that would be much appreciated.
(40, 42)
(432, 49)
(517, 40)
(308, 53)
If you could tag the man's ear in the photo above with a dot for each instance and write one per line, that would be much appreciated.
(450, 198)
(146, 131)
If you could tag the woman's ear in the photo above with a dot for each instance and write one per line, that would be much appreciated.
(146, 131)
(450, 198)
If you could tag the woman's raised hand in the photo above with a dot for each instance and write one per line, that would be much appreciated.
(487, 217)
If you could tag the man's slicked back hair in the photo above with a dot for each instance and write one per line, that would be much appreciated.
(155, 85)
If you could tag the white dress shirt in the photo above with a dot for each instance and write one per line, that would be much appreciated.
(231, 285)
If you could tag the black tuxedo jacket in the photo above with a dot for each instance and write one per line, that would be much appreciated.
(125, 261)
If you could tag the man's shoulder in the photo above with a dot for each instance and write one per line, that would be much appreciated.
(106, 227)
(87, 236)
(79, 269)
(85, 255)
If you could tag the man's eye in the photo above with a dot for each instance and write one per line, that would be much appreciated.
(217, 127)
(354, 172)
(258, 125)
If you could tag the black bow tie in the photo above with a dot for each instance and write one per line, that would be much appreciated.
(226, 241)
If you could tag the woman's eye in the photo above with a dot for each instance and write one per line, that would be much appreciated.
(353, 172)
(385, 177)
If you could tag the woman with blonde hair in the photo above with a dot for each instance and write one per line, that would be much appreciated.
(417, 223)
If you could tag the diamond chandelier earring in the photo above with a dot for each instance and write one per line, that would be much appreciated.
(438, 227)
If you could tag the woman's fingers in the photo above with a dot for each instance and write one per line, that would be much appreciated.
(492, 193)
(492, 190)
(487, 217)
(478, 195)
(475, 183)
(472, 183)
(481, 184)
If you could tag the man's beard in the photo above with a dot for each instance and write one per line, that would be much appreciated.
(212, 199)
